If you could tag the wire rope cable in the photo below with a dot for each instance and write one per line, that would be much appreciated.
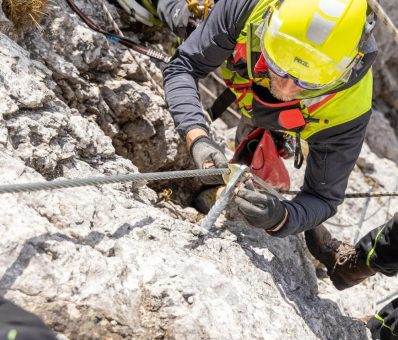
(135, 177)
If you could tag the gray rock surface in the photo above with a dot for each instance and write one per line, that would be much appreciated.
(386, 65)
(103, 82)
(119, 262)
(386, 87)
(381, 137)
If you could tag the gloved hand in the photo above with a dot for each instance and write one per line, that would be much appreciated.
(260, 210)
(207, 154)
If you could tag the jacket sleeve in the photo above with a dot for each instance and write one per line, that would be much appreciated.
(205, 50)
(331, 159)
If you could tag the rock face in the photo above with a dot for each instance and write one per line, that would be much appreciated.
(386, 65)
(386, 87)
(104, 83)
(381, 137)
(109, 262)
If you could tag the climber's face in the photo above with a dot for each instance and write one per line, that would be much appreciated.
(283, 88)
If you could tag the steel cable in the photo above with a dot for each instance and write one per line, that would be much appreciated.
(152, 176)
(136, 177)
(350, 225)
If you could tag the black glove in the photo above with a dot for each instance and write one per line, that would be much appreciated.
(207, 154)
(260, 210)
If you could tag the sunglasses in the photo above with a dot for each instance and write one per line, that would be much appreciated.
(306, 85)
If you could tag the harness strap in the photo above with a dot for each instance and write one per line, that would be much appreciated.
(223, 101)
(227, 97)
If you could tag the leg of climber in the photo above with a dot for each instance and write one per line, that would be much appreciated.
(348, 265)
(384, 324)
(381, 247)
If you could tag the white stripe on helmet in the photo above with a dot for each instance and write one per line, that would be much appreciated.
(319, 29)
(333, 8)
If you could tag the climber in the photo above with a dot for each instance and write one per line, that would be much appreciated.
(18, 324)
(347, 265)
(180, 16)
(301, 67)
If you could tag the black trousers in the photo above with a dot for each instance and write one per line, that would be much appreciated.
(381, 247)
(384, 324)
(16, 323)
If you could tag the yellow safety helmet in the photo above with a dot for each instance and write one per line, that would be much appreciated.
(315, 42)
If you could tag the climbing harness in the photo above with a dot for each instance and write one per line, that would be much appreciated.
(238, 173)
(119, 38)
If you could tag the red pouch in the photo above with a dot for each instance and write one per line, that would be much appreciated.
(258, 151)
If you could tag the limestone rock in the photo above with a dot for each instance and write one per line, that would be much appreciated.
(381, 137)
(101, 80)
(116, 261)
(385, 68)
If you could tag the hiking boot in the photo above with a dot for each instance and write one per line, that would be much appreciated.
(206, 198)
(346, 266)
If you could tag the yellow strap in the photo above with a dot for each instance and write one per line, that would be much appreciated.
(249, 52)
(12, 334)
(374, 247)
(378, 317)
